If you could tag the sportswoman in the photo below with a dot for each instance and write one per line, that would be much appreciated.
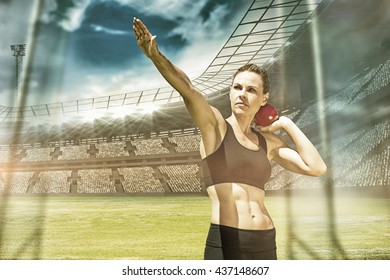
(235, 157)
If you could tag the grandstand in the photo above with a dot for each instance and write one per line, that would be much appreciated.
(158, 153)
(168, 163)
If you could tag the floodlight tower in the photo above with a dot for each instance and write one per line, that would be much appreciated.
(19, 51)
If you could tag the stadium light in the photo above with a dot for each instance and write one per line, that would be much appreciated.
(18, 51)
(122, 112)
(91, 116)
(149, 108)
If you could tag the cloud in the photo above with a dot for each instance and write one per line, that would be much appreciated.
(167, 9)
(194, 28)
(110, 82)
(99, 28)
(205, 35)
(205, 38)
(69, 17)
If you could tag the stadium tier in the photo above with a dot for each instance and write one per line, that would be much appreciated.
(168, 162)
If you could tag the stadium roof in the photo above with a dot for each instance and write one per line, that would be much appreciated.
(265, 28)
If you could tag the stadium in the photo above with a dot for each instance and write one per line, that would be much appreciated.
(118, 176)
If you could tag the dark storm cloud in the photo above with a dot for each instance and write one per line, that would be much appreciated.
(106, 37)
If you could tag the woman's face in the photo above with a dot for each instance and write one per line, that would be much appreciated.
(246, 93)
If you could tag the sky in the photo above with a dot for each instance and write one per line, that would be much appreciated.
(86, 48)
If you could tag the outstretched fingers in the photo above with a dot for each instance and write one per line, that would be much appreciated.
(136, 29)
(140, 29)
(145, 40)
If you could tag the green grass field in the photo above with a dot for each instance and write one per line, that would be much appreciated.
(161, 228)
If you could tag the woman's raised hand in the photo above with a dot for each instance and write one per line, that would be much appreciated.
(145, 40)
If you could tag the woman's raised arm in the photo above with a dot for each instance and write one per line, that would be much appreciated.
(204, 116)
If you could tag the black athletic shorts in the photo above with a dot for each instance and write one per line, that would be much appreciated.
(229, 243)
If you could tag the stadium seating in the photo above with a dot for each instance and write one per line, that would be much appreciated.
(74, 152)
(95, 181)
(7, 156)
(140, 180)
(15, 182)
(38, 154)
(53, 182)
(189, 143)
(357, 89)
(111, 149)
(151, 146)
(182, 178)
(358, 156)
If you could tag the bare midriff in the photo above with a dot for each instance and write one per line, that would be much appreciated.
(239, 206)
